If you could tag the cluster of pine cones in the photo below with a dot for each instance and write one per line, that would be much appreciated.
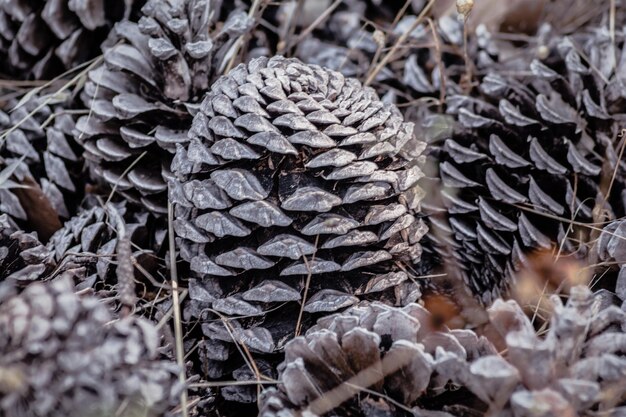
(356, 208)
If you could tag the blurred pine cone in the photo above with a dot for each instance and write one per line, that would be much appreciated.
(23, 258)
(400, 355)
(291, 170)
(577, 368)
(345, 44)
(39, 150)
(526, 161)
(44, 38)
(143, 97)
(61, 355)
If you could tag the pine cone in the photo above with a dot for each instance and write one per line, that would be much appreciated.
(61, 355)
(143, 97)
(44, 38)
(292, 169)
(23, 258)
(577, 368)
(40, 151)
(88, 247)
(398, 352)
(524, 156)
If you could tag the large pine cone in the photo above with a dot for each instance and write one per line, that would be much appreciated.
(40, 151)
(398, 352)
(143, 97)
(293, 169)
(524, 162)
(43, 38)
(23, 258)
(61, 355)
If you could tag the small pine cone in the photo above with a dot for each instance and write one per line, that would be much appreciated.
(293, 169)
(61, 354)
(88, 249)
(43, 156)
(143, 97)
(522, 156)
(43, 38)
(577, 368)
(394, 352)
(23, 258)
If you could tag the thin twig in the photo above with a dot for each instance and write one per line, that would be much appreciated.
(442, 73)
(121, 177)
(401, 12)
(178, 328)
(218, 384)
(170, 312)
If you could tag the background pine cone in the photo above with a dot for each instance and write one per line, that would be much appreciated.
(61, 353)
(346, 44)
(399, 352)
(143, 97)
(43, 38)
(525, 162)
(39, 149)
(577, 367)
(293, 169)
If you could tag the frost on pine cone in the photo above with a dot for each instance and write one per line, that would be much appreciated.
(143, 97)
(23, 258)
(292, 169)
(44, 38)
(523, 155)
(61, 354)
(41, 154)
(394, 352)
